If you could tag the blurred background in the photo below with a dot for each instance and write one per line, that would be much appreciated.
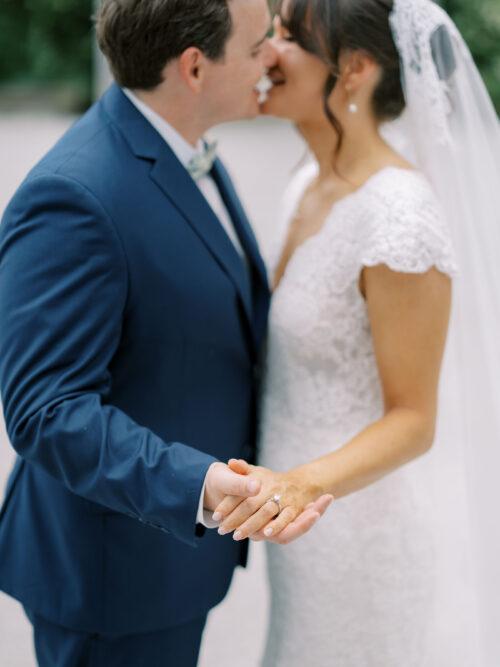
(50, 72)
(47, 50)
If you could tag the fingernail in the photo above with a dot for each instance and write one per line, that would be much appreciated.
(253, 486)
(223, 531)
(216, 516)
(268, 532)
(237, 535)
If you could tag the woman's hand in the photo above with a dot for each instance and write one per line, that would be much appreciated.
(301, 501)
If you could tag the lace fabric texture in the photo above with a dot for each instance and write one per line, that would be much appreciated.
(450, 132)
(414, 26)
(321, 367)
(359, 589)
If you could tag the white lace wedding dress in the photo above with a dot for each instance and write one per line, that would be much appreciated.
(359, 589)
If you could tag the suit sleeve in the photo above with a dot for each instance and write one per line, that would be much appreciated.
(63, 294)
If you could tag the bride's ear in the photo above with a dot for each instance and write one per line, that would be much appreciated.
(357, 69)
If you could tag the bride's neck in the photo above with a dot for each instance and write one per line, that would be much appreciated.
(322, 142)
(362, 150)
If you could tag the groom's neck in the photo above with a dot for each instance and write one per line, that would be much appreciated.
(179, 110)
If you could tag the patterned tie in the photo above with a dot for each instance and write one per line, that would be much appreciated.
(201, 164)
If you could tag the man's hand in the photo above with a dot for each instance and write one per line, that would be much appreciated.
(221, 481)
(287, 528)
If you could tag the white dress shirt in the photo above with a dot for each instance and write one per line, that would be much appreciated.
(184, 152)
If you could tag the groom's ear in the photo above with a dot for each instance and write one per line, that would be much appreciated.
(192, 68)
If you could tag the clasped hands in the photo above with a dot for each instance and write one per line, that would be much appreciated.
(251, 513)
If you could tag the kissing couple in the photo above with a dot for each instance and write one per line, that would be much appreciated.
(155, 432)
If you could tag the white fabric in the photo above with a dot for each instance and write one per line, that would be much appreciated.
(360, 589)
(453, 133)
(405, 572)
(211, 193)
(204, 516)
(184, 152)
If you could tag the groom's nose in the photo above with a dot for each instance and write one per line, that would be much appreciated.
(271, 55)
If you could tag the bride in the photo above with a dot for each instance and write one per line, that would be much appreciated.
(389, 241)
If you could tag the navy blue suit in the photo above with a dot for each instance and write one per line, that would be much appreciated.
(129, 341)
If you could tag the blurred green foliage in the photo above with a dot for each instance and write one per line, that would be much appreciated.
(479, 23)
(46, 41)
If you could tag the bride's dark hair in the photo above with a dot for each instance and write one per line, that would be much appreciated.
(327, 27)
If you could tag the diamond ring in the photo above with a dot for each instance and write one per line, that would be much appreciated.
(276, 499)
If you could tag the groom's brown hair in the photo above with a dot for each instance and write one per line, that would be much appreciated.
(140, 37)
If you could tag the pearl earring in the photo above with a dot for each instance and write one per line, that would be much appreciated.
(353, 108)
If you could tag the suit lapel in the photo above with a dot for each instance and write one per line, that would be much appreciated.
(260, 285)
(177, 184)
(241, 224)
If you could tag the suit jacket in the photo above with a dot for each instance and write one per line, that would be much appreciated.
(130, 332)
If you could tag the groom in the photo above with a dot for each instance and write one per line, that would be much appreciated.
(133, 305)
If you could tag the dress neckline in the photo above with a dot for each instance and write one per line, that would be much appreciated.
(333, 208)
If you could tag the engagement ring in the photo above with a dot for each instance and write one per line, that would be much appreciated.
(276, 499)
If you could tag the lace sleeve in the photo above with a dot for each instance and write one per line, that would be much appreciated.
(406, 228)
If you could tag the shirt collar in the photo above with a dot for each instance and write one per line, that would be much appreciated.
(182, 148)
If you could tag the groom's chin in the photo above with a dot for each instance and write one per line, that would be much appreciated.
(269, 108)
(251, 112)
(266, 109)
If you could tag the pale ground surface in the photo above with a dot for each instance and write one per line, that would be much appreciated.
(260, 157)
